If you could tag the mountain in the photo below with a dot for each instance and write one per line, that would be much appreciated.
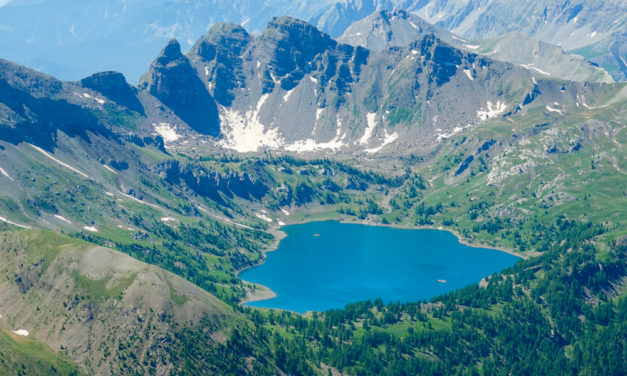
(569, 24)
(593, 29)
(127, 212)
(71, 39)
(294, 88)
(386, 29)
(291, 88)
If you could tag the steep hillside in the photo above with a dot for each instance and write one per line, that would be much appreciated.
(541, 57)
(109, 312)
(24, 356)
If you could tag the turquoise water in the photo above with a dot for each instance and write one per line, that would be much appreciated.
(323, 265)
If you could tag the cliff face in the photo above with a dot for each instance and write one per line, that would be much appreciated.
(210, 183)
(173, 81)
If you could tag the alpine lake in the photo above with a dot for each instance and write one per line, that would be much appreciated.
(325, 265)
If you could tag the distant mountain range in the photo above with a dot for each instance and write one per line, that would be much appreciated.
(72, 39)
(385, 29)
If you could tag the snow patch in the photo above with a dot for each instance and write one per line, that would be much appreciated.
(471, 46)
(313, 79)
(551, 109)
(281, 223)
(372, 123)
(206, 70)
(388, 139)
(166, 131)
(110, 169)
(62, 218)
(99, 100)
(311, 144)
(263, 217)
(414, 52)
(90, 228)
(167, 219)
(6, 174)
(14, 224)
(532, 67)
(245, 132)
(42, 151)
(285, 211)
(468, 74)
(442, 135)
(141, 201)
(492, 110)
(21, 332)
(319, 112)
(287, 95)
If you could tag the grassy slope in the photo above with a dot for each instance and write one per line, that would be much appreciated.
(24, 356)
(109, 312)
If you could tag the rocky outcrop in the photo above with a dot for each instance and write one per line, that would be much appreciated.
(217, 56)
(173, 81)
(113, 85)
(210, 183)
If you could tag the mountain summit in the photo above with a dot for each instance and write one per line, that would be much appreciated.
(173, 80)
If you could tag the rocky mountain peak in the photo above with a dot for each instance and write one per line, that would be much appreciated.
(172, 51)
(174, 81)
(296, 35)
(113, 85)
(384, 29)
(227, 34)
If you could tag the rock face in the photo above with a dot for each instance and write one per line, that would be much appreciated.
(385, 29)
(210, 183)
(589, 28)
(217, 56)
(113, 85)
(173, 81)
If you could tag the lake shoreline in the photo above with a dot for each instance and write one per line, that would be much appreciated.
(263, 292)
(424, 227)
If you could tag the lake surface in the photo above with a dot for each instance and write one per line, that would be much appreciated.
(324, 265)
